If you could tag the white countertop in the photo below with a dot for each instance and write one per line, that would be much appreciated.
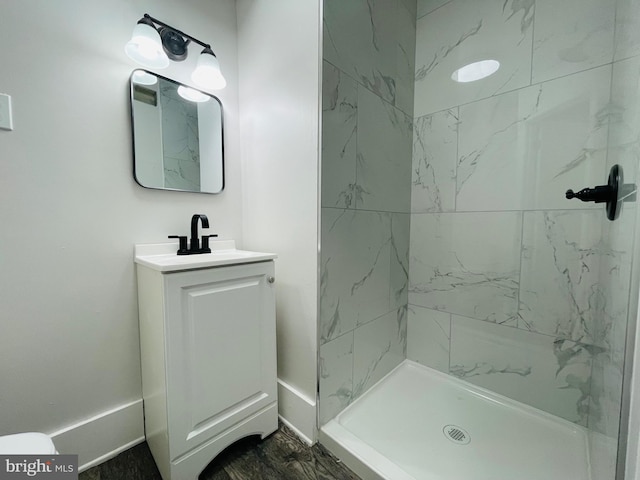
(163, 256)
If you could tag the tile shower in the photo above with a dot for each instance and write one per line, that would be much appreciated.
(180, 140)
(446, 237)
(366, 172)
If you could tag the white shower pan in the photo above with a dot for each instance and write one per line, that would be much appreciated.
(420, 424)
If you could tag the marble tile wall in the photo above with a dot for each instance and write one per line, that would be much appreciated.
(508, 284)
(367, 136)
(624, 149)
(179, 140)
(511, 286)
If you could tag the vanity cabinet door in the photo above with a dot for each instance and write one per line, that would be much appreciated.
(221, 350)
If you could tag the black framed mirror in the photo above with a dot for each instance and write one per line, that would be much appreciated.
(177, 135)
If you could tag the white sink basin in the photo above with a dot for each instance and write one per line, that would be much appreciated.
(163, 257)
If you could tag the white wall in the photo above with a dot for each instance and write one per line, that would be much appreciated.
(279, 67)
(70, 211)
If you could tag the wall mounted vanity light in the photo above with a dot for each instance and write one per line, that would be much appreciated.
(153, 47)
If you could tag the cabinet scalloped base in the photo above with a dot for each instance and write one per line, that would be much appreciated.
(190, 465)
(208, 354)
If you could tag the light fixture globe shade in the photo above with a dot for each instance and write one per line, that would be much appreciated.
(145, 47)
(192, 95)
(143, 78)
(207, 73)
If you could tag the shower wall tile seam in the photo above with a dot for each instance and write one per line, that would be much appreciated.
(450, 342)
(353, 365)
(355, 164)
(333, 339)
(542, 334)
(484, 321)
(362, 324)
(518, 317)
(507, 92)
(624, 58)
(455, 172)
(452, 212)
(520, 210)
(390, 212)
(360, 84)
(431, 11)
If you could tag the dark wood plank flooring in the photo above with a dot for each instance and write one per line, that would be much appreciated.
(281, 456)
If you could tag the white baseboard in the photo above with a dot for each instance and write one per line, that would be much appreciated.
(298, 412)
(103, 436)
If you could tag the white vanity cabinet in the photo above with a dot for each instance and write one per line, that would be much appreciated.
(208, 345)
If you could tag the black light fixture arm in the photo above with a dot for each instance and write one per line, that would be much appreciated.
(179, 32)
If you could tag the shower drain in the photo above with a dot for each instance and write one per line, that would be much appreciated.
(456, 434)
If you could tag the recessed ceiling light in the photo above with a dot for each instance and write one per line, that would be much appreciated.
(475, 71)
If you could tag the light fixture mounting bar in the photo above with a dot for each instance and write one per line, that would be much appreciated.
(179, 32)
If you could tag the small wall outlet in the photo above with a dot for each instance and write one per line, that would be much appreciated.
(6, 119)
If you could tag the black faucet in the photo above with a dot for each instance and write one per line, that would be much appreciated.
(195, 241)
(194, 247)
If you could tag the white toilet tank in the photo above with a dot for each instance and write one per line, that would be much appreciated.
(31, 443)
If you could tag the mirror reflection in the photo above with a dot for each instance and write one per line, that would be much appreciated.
(177, 135)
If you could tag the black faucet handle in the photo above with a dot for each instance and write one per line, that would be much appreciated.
(205, 243)
(182, 250)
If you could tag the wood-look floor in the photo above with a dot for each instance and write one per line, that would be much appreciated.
(281, 456)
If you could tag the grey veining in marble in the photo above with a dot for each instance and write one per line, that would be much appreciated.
(624, 141)
(428, 6)
(399, 260)
(383, 168)
(564, 287)
(373, 41)
(368, 86)
(545, 372)
(180, 140)
(355, 269)
(571, 36)
(606, 393)
(379, 347)
(435, 150)
(510, 286)
(459, 33)
(459, 265)
(352, 363)
(429, 337)
(336, 376)
(339, 130)
(540, 140)
(627, 43)
(406, 55)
